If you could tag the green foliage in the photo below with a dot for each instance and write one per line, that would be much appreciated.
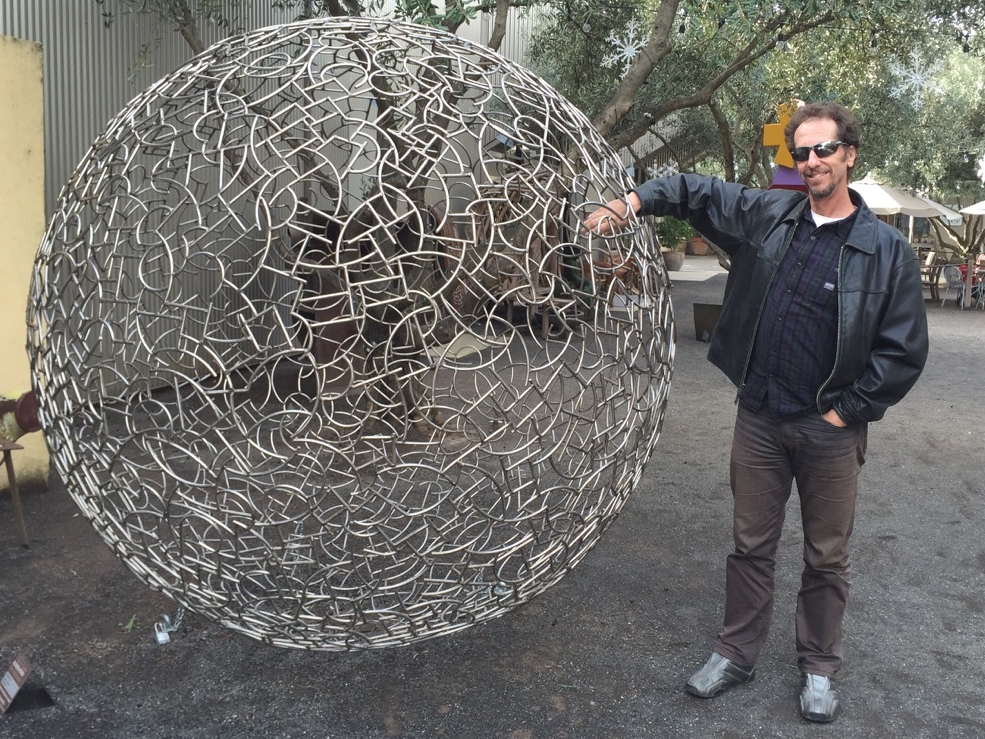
(930, 143)
(673, 233)
(721, 69)
(173, 11)
(729, 64)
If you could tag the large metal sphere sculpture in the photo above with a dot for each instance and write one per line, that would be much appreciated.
(320, 350)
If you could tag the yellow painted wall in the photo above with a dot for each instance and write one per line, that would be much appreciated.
(22, 224)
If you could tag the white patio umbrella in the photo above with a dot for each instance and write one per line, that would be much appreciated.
(884, 200)
(978, 209)
(950, 217)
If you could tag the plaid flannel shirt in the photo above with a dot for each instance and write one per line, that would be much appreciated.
(796, 341)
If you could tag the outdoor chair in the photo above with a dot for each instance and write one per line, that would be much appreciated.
(930, 274)
(952, 276)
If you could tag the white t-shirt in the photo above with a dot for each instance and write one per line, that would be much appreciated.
(820, 220)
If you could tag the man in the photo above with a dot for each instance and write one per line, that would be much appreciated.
(822, 329)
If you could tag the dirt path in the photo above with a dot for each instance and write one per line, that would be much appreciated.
(603, 654)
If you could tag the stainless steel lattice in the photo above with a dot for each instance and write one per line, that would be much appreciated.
(320, 350)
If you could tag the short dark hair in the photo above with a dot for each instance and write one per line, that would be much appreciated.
(848, 128)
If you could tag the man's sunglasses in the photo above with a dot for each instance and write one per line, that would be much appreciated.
(823, 150)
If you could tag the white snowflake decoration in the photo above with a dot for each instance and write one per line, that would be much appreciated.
(917, 80)
(668, 168)
(627, 47)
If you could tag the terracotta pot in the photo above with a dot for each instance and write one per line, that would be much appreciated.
(697, 246)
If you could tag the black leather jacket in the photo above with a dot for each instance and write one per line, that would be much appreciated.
(882, 324)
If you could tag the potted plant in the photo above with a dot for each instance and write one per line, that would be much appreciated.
(673, 235)
(697, 246)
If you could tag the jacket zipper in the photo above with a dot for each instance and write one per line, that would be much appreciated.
(762, 306)
(820, 390)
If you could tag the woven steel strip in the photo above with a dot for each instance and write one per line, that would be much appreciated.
(320, 349)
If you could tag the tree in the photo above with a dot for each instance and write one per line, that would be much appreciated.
(695, 80)
(712, 72)
(700, 77)
(965, 240)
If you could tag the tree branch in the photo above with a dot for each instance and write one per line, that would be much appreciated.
(499, 23)
(657, 47)
(721, 123)
(758, 47)
(187, 28)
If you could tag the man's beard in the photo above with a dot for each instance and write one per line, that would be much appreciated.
(822, 192)
(819, 193)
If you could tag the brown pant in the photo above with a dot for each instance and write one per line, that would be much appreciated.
(767, 456)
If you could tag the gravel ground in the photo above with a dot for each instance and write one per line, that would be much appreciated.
(603, 654)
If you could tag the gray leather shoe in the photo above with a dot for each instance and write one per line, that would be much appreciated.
(818, 699)
(718, 675)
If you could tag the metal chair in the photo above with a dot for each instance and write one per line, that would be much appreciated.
(952, 276)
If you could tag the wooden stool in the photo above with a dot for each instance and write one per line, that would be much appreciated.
(15, 496)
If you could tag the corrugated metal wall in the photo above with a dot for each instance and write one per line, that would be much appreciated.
(93, 67)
